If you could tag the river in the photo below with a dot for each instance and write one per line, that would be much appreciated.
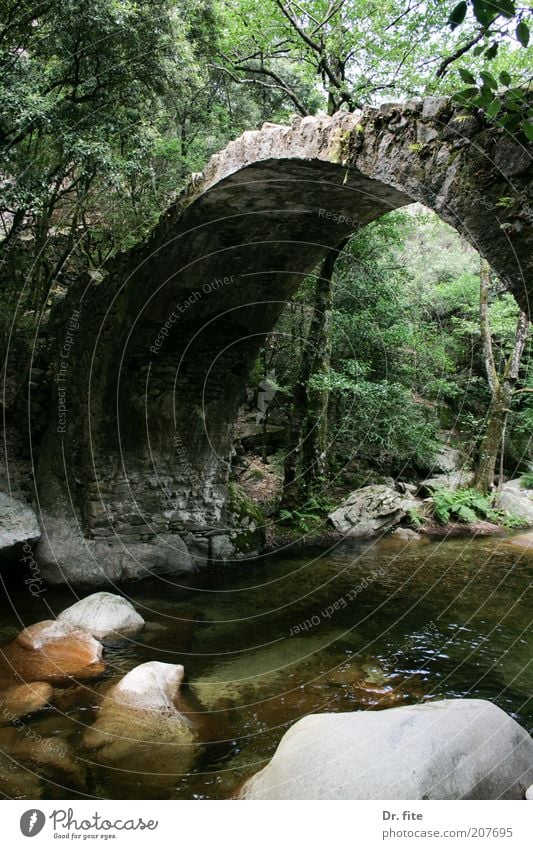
(362, 627)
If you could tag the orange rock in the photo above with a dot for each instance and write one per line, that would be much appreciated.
(50, 651)
(22, 699)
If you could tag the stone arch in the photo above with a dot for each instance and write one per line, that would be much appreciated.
(133, 471)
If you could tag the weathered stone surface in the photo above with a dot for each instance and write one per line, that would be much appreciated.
(18, 522)
(140, 725)
(174, 325)
(103, 615)
(36, 636)
(516, 500)
(22, 699)
(450, 456)
(450, 749)
(452, 480)
(66, 556)
(51, 651)
(371, 509)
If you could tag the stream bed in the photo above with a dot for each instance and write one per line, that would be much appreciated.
(362, 627)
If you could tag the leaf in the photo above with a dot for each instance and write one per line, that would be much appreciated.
(505, 78)
(489, 80)
(484, 98)
(492, 51)
(493, 108)
(465, 514)
(527, 127)
(483, 11)
(466, 94)
(507, 8)
(457, 15)
(522, 33)
(467, 77)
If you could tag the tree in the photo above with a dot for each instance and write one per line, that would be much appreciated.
(100, 103)
(308, 432)
(502, 386)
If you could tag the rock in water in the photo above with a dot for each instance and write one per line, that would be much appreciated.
(449, 749)
(18, 522)
(103, 615)
(22, 699)
(141, 727)
(51, 651)
(523, 541)
(371, 509)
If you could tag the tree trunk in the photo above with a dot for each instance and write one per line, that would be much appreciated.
(488, 452)
(502, 387)
(308, 426)
(315, 429)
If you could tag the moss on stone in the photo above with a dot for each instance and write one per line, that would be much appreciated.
(248, 520)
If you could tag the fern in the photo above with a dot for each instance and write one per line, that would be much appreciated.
(463, 505)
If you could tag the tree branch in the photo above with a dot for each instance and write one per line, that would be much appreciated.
(444, 65)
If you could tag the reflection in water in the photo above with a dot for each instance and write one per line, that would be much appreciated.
(364, 627)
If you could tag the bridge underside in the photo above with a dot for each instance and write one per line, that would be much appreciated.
(133, 477)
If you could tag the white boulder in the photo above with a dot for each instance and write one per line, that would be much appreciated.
(151, 686)
(103, 615)
(450, 749)
(371, 509)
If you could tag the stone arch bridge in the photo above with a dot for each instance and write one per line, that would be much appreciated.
(151, 356)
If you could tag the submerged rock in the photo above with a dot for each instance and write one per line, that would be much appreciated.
(41, 753)
(51, 651)
(450, 749)
(22, 699)
(141, 725)
(256, 674)
(524, 541)
(18, 522)
(103, 615)
(371, 509)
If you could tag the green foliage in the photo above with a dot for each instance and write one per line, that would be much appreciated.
(463, 505)
(310, 515)
(416, 518)
(526, 481)
(246, 517)
(469, 505)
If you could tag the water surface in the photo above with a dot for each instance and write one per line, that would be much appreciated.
(363, 627)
